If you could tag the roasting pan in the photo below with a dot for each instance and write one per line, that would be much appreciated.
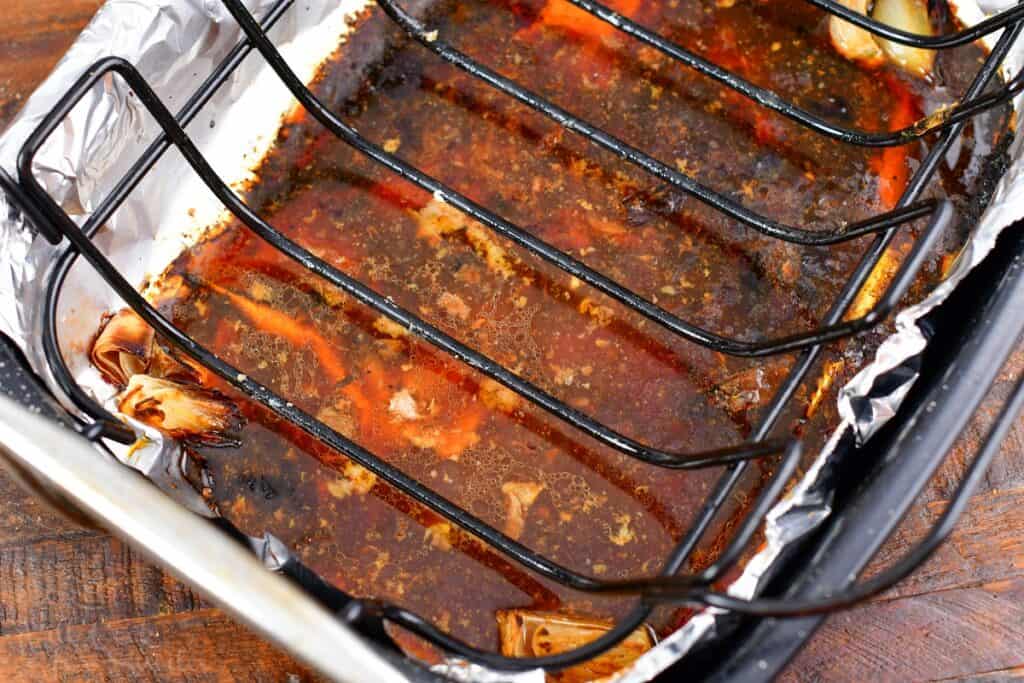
(57, 452)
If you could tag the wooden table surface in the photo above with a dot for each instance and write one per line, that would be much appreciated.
(77, 605)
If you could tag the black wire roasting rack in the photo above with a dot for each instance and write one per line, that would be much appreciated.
(985, 92)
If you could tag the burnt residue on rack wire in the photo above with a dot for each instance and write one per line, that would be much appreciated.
(696, 587)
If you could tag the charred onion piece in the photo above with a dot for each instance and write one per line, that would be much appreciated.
(912, 16)
(535, 634)
(126, 347)
(853, 42)
(180, 410)
(123, 348)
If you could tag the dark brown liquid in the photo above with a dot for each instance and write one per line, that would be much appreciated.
(597, 511)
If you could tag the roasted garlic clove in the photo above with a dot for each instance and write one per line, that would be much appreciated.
(853, 42)
(861, 46)
(438, 218)
(181, 411)
(535, 634)
(123, 348)
(911, 16)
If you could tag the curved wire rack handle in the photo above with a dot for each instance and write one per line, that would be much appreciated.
(668, 589)
(105, 425)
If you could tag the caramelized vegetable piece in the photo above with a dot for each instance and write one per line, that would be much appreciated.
(181, 411)
(561, 15)
(912, 16)
(271, 320)
(535, 634)
(852, 42)
(519, 496)
(123, 348)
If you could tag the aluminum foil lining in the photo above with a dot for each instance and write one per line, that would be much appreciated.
(175, 44)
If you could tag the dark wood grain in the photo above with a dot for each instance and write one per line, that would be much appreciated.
(961, 615)
(33, 36)
(201, 645)
(949, 633)
(77, 605)
(107, 580)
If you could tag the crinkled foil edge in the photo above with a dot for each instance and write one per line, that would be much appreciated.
(175, 43)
